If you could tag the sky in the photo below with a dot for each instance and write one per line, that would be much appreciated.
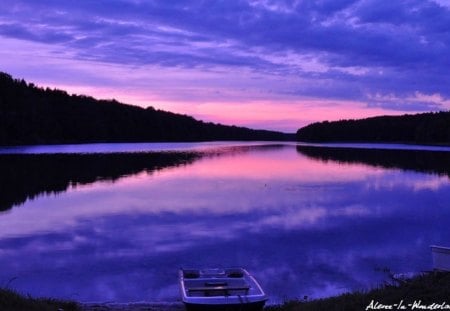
(265, 64)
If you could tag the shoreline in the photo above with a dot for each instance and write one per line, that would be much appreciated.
(133, 306)
(426, 290)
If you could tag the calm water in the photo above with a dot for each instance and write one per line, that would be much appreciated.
(306, 221)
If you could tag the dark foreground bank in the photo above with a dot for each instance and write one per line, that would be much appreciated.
(13, 301)
(429, 291)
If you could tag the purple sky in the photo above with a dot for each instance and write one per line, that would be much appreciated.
(258, 63)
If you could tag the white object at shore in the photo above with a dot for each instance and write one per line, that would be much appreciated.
(441, 257)
(220, 289)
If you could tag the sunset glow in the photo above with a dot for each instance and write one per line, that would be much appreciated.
(263, 64)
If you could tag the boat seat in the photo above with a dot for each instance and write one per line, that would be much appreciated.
(217, 288)
(216, 283)
(236, 274)
(191, 274)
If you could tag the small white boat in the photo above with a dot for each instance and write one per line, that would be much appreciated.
(220, 289)
(441, 257)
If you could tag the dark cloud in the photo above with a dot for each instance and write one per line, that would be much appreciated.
(407, 40)
(19, 31)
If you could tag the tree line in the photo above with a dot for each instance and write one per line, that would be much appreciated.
(35, 115)
(432, 127)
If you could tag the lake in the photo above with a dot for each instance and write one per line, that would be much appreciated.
(115, 222)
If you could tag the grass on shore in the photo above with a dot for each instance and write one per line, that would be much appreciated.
(10, 300)
(428, 289)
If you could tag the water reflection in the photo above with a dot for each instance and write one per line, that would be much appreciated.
(302, 225)
(25, 176)
(437, 162)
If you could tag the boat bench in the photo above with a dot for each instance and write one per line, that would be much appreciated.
(217, 288)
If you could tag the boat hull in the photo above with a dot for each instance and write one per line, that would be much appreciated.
(217, 289)
(254, 306)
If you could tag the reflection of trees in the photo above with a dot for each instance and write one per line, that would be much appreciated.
(25, 176)
(437, 162)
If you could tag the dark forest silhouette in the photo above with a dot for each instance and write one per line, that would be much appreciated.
(26, 176)
(33, 115)
(419, 128)
(434, 162)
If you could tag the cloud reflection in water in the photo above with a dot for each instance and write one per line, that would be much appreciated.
(301, 225)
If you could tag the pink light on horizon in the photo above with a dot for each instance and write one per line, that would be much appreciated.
(281, 115)
(284, 116)
(231, 98)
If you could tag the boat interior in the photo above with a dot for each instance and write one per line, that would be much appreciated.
(217, 282)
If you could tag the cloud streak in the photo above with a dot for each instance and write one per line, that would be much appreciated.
(346, 50)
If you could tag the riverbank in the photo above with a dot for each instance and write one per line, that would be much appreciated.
(429, 291)
(135, 306)
(11, 300)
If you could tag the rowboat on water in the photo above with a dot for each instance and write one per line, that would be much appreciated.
(441, 257)
(220, 289)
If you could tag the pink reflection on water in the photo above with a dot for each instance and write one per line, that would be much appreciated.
(278, 163)
(319, 227)
(224, 184)
(272, 180)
